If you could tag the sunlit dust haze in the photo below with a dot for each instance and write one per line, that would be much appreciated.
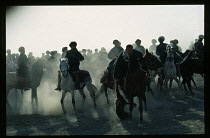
(41, 28)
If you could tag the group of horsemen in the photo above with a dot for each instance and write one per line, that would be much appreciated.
(117, 67)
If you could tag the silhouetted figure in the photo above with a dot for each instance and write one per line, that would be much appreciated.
(153, 47)
(47, 56)
(74, 57)
(121, 65)
(161, 49)
(199, 47)
(116, 50)
(31, 59)
(139, 47)
(178, 47)
(89, 55)
(9, 56)
(23, 69)
(96, 53)
(43, 56)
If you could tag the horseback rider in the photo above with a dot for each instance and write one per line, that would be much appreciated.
(161, 49)
(23, 69)
(152, 48)
(116, 50)
(74, 57)
(199, 47)
(121, 64)
(139, 47)
(9, 56)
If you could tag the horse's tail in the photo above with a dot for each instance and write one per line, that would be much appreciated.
(95, 90)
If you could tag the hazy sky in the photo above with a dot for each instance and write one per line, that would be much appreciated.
(41, 28)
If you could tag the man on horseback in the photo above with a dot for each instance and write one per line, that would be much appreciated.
(121, 64)
(9, 56)
(177, 55)
(23, 69)
(139, 47)
(199, 47)
(116, 50)
(74, 57)
(161, 49)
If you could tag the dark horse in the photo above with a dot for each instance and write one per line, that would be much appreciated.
(136, 79)
(35, 78)
(188, 67)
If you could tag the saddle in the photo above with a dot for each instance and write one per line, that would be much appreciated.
(82, 74)
(18, 81)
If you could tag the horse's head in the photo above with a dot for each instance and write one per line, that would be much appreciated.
(151, 61)
(170, 56)
(64, 67)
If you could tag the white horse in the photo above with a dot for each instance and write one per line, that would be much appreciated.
(67, 85)
(169, 70)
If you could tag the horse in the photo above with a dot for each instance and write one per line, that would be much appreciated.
(67, 84)
(170, 72)
(35, 77)
(188, 67)
(107, 81)
(136, 79)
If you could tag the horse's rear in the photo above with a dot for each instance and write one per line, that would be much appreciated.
(187, 68)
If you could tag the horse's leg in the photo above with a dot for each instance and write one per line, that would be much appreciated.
(194, 82)
(131, 108)
(22, 93)
(106, 93)
(34, 97)
(170, 84)
(178, 82)
(73, 99)
(62, 98)
(83, 96)
(101, 90)
(92, 93)
(166, 85)
(7, 93)
(145, 101)
(189, 85)
(140, 110)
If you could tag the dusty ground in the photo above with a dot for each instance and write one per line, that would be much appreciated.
(173, 114)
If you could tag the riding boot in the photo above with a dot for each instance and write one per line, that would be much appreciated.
(26, 84)
(59, 82)
(77, 85)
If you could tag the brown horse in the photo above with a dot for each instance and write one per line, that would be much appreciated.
(136, 79)
(12, 81)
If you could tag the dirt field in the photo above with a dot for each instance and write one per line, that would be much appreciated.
(173, 114)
